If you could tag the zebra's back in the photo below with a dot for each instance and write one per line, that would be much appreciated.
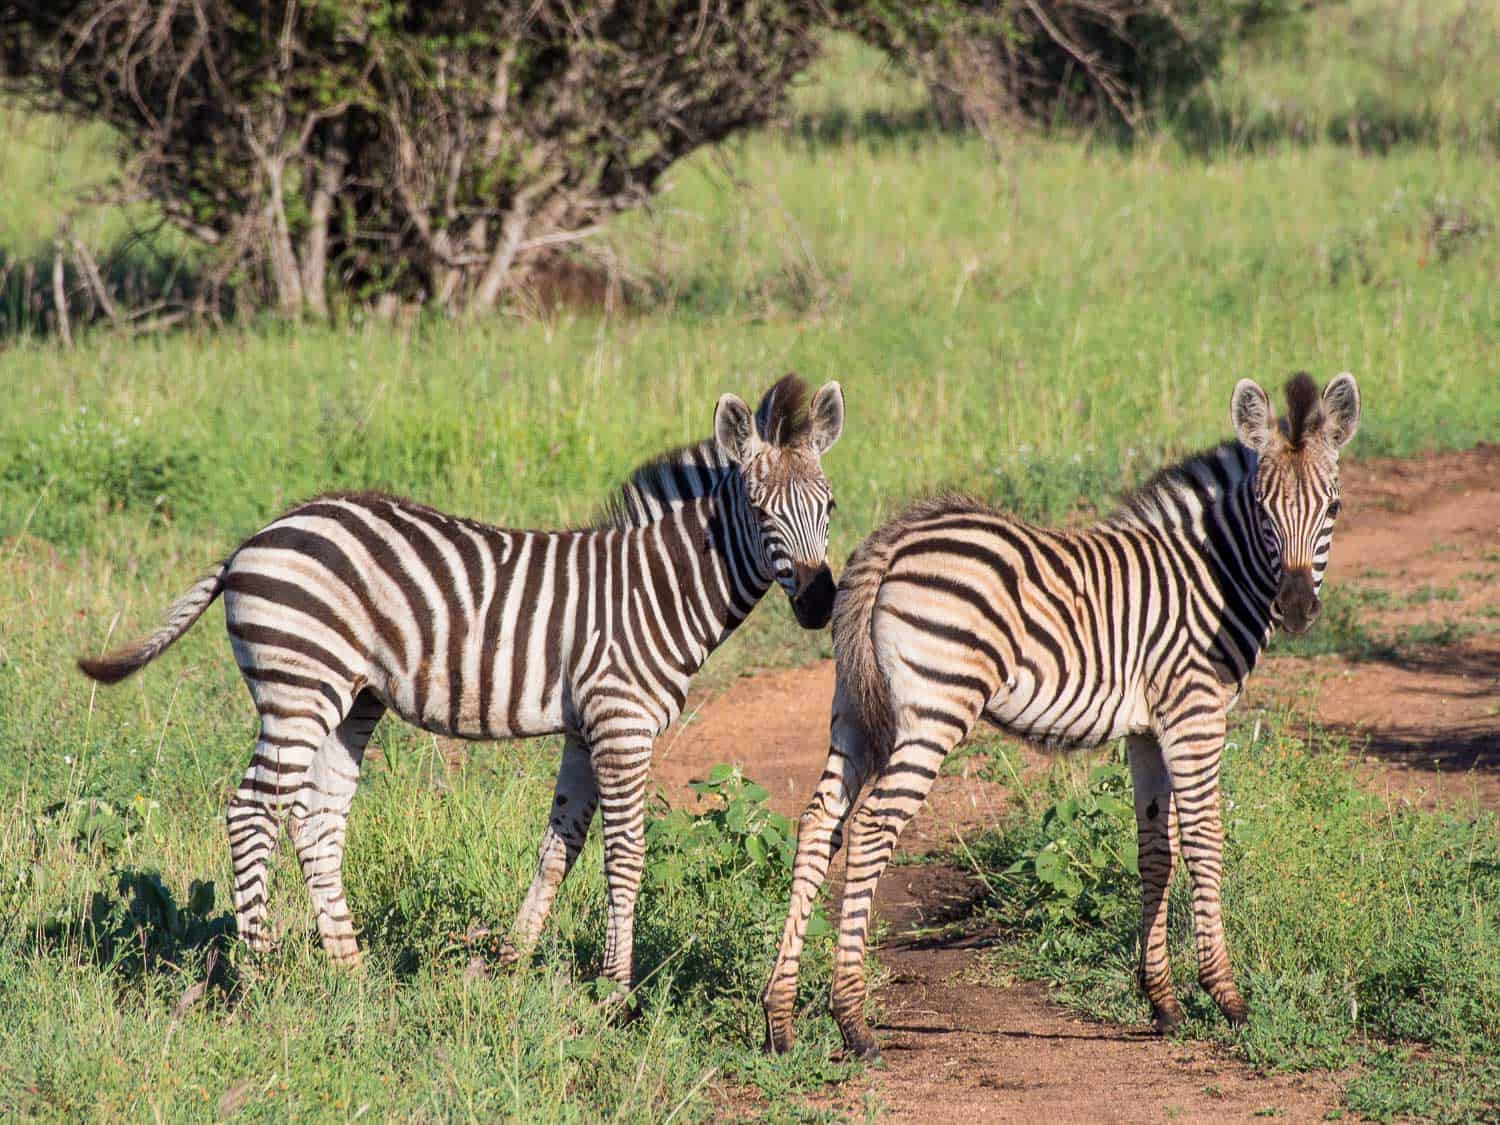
(1054, 635)
(460, 627)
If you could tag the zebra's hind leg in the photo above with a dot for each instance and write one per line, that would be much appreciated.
(1156, 836)
(1191, 747)
(573, 805)
(254, 822)
(897, 793)
(818, 838)
(319, 817)
(284, 753)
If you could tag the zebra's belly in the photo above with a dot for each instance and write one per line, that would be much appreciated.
(1073, 715)
(438, 712)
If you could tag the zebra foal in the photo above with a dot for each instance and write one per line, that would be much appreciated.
(352, 605)
(1144, 626)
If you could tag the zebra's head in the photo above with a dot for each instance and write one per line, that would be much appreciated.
(779, 452)
(1297, 481)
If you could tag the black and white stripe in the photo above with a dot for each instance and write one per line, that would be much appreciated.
(353, 604)
(1143, 627)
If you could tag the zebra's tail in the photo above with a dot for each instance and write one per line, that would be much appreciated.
(114, 666)
(859, 671)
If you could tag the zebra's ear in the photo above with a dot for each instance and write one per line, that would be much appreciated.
(734, 429)
(827, 417)
(1250, 414)
(1340, 409)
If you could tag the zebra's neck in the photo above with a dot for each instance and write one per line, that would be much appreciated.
(665, 483)
(1206, 511)
(711, 576)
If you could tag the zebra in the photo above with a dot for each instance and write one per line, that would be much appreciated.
(1144, 625)
(353, 604)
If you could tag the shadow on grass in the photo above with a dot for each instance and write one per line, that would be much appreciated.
(1204, 127)
(140, 931)
(1371, 125)
(841, 125)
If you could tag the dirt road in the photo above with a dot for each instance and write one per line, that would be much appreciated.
(1420, 545)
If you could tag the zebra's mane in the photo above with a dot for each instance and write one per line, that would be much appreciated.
(1177, 493)
(659, 486)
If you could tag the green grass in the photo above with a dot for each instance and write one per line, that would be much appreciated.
(1042, 325)
(95, 939)
(1362, 932)
(1372, 74)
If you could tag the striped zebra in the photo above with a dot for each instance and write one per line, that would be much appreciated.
(1144, 626)
(353, 604)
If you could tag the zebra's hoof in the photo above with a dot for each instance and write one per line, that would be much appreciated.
(507, 957)
(859, 1044)
(620, 1004)
(777, 1043)
(1167, 1018)
(1237, 1013)
(869, 1054)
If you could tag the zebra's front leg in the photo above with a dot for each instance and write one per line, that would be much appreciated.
(1156, 836)
(573, 802)
(621, 763)
(1192, 742)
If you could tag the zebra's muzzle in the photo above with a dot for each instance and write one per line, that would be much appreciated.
(813, 602)
(1297, 601)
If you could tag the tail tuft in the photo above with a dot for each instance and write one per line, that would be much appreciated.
(113, 667)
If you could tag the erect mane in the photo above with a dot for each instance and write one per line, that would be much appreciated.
(782, 417)
(659, 486)
(1200, 479)
(1303, 414)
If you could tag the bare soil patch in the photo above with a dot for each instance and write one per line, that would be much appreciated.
(1420, 546)
(1424, 537)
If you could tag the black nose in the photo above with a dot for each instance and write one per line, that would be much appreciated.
(813, 601)
(1297, 601)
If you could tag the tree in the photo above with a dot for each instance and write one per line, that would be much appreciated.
(436, 150)
(1044, 61)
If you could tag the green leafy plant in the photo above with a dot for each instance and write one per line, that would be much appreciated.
(715, 896)
(739, 837)
(1083, 859)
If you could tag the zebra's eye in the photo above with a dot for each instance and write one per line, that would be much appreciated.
(1334, 509)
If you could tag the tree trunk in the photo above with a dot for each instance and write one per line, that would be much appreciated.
(319, 211)
(60, 296)
(289, 295)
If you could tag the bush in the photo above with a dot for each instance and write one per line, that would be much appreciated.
(1042, 61)
(433, 151)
